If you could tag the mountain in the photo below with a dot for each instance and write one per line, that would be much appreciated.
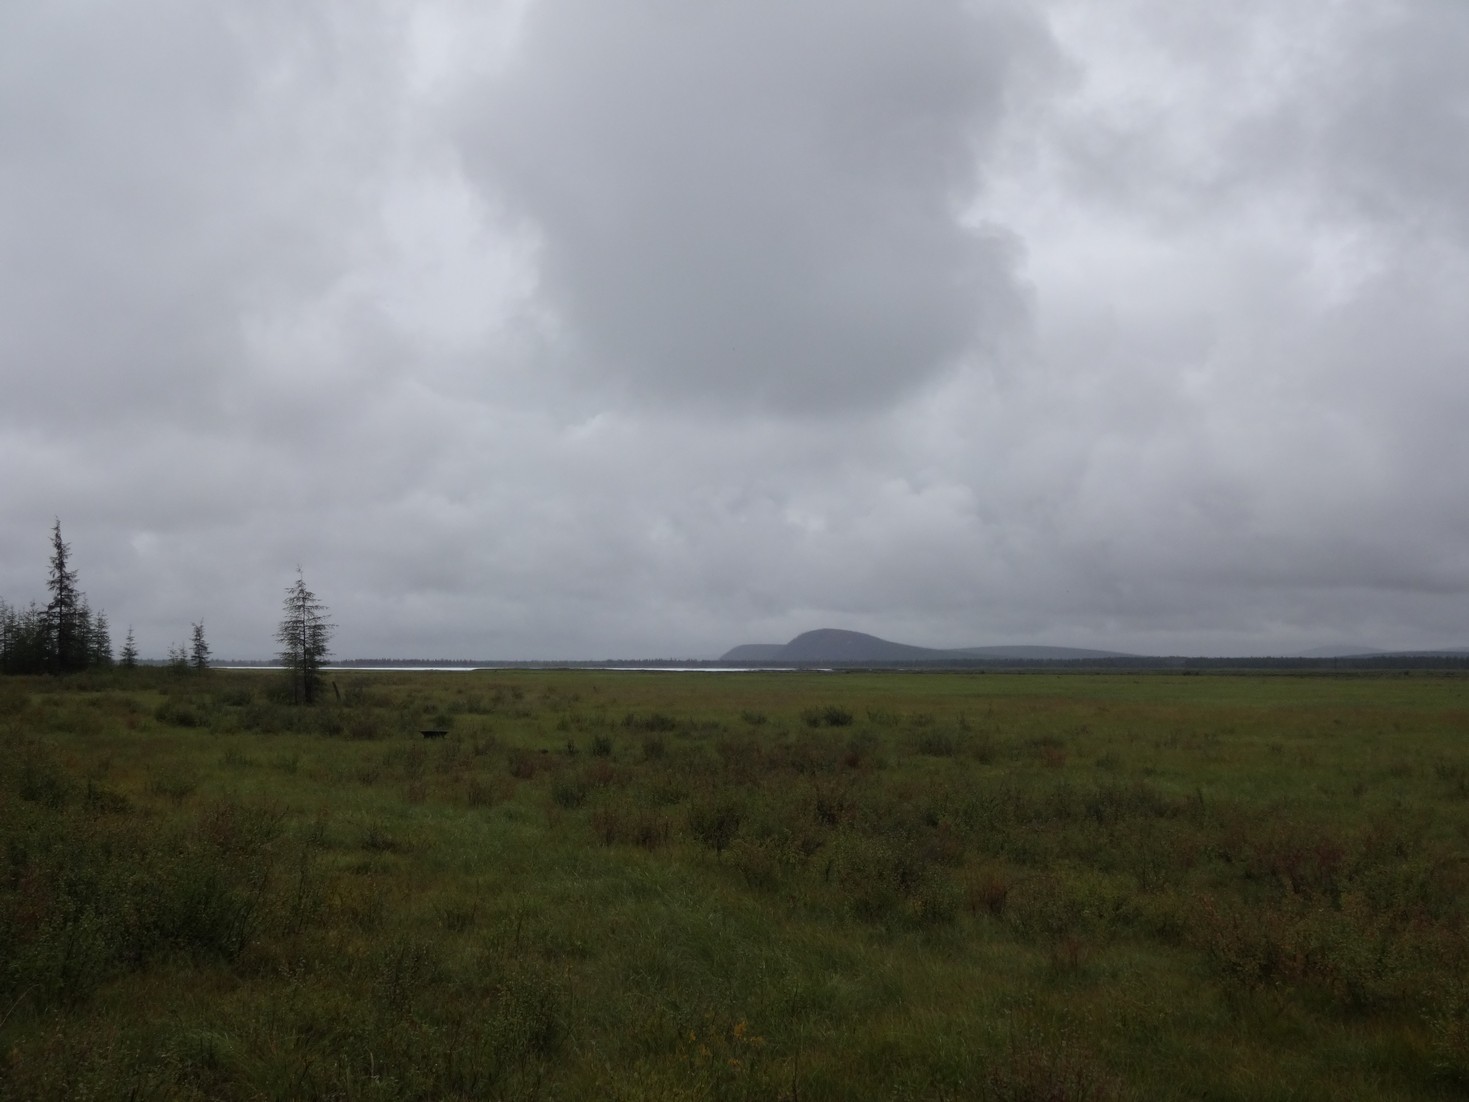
(832, 646)
(754, 652)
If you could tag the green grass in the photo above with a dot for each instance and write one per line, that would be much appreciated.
(802, 886)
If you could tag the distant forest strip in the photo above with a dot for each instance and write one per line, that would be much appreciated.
(1366, 663)
(65, 635)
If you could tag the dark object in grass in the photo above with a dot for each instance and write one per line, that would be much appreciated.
(435, 732)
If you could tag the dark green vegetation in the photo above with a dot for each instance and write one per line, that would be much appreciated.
(304, 635)
(801, 886)
(67, 637)
(64, 636)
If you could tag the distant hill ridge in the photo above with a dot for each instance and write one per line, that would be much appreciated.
(835, 646)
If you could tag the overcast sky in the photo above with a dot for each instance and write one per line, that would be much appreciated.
(577, 329)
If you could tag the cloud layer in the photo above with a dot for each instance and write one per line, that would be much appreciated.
(757, 207)
(549, 330)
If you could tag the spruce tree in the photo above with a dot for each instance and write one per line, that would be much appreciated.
(9, 622)
(99, 641)
(129, 656)
(304, 634)
(199, 649)
(67, 650)
(9, 637)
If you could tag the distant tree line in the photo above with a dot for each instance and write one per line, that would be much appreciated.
(66, 636)
(62, 636)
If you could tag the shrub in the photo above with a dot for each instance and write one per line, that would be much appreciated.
(716, 822)
(650, 830)
(866, 870)
(529, 1019)
(100, 800)
(934, 901)
(937, 744)
(1044, 1070)
(207, 906)
(987, 892)
(403, 970)
(757, 860)
(365, 727)
(610, 825)
(180, 713)
(982, 747)
(43, 782)
(830, 716)
(235, 828)
(569, 792)
(477, 793)
(1450, 1026)
(376, 839)
(1454, 775)
(173, 786)
(652, 721)
(13, 700)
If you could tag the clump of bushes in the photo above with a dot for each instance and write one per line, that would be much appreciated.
(715, 822)
(937, 744)
(832, 715)
(569, 792)
(180, 713)
(650, 721)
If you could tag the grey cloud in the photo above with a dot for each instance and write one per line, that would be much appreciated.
(1250, 323)
(760, 205)
(1395, 117)
(649, 329)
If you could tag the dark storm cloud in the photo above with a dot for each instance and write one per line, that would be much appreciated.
(761, 205)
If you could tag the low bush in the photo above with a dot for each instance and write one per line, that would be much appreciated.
(569, 792)
(832, 715)
(937, 744)
(715, 822)
(181, 713)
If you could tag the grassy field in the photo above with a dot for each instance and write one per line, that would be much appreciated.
(757, 886)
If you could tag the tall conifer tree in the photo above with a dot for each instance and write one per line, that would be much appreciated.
(199, 649)
(304, 635)
(67, 650)
(129, 654)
